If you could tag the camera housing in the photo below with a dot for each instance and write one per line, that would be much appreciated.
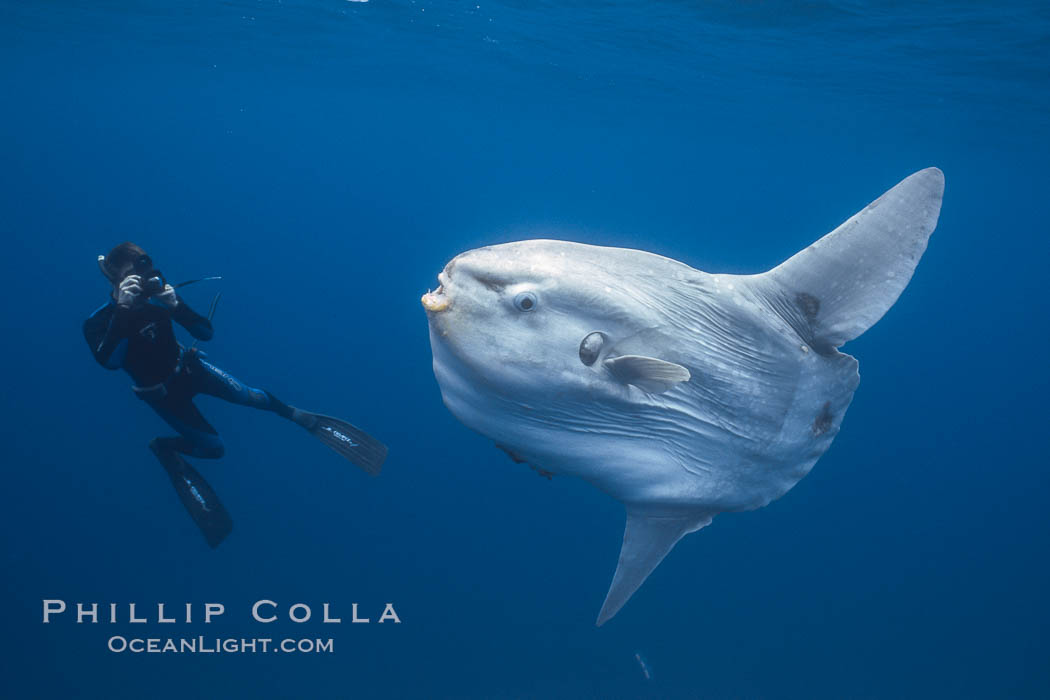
(153, 282)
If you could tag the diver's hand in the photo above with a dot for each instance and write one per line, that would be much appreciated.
(129, 291)
(167, 297)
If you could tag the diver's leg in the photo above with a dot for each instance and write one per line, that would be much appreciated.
(210, 379)
(349, 441)
(197, 438)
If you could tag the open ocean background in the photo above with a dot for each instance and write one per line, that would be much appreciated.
(329, 157)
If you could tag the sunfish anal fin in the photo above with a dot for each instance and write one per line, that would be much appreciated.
(647, 539)
(647, 373)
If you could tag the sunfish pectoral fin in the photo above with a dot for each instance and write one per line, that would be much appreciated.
(647, 539)
(647, 373)
(837, 288)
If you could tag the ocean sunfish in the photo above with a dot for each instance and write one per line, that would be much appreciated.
(680, 393)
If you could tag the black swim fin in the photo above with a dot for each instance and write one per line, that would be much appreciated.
(351, 442)
(199, 498)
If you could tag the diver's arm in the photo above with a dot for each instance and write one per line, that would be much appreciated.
(198, 326)
(106, 332)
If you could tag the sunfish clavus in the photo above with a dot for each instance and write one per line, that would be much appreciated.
(680, 393)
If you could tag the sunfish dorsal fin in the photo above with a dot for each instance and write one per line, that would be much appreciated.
(647, 539)
(837, 288)
(647, 373)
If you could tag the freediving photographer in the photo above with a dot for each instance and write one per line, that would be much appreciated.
(133, 331)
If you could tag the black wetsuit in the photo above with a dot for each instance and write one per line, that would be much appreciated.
(141, 341)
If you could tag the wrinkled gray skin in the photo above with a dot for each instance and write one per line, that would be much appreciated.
(680, 393)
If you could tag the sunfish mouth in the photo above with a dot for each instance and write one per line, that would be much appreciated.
(436, 300)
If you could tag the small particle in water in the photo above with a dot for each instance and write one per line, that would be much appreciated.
(646, 671)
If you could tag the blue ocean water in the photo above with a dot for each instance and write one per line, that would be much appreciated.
(328, 157)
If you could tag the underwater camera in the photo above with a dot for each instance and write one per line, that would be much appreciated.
(152, 280)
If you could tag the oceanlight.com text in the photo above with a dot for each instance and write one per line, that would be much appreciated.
(217, 645)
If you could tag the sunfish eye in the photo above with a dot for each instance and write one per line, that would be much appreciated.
(526, 301)
(591, 346)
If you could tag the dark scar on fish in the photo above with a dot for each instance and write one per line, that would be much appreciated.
(822, 423)
(514, 458)
(491, 281)
(809, 305)
(518, 460)
(493, 284)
